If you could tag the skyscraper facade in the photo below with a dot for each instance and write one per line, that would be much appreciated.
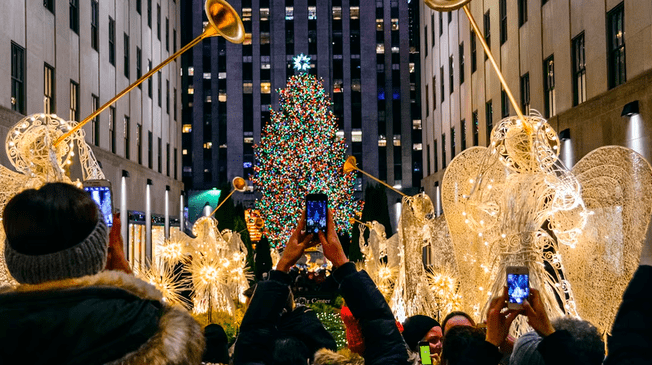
(366, 53)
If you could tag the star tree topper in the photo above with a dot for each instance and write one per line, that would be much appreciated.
(301, 62)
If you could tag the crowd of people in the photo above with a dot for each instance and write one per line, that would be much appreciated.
(76, 302)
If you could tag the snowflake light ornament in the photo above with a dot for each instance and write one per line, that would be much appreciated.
(301, 62)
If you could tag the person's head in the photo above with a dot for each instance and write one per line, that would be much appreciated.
(290, 351)
(586, 338)
(461, 340)
(248, 293)
(54, 233)
(422, 328)
(526, 350)
(217, 345)
(457, 318)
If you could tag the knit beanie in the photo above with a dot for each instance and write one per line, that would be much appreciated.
(354, 337)
(88, 257)
(217, 344)
(415, 328)
(56, 232)
(525, 350)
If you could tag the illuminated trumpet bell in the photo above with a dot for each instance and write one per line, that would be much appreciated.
(445, 5)
(239, 183)
(259, 223)
(225, 20)
(350, 165)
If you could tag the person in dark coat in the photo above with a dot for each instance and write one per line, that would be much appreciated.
(65, 310)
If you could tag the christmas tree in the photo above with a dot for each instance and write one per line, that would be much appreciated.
(299, 154)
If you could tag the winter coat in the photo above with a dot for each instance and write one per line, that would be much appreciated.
(384, 344)
(631, 335)
(108, 318)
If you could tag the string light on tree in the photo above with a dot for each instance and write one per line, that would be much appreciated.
(299, 154)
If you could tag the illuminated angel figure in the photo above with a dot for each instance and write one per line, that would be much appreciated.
(30, 149)
(513, 208)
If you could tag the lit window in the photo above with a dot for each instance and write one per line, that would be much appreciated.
(416, 124)
(411, 67)
(337, 86)
(382, 141)
(355, 84)
(247, 87)
(312, 13)
(264, 14)
(246, 14)
(417, 147)
(289, 13)
(395, 49)
(249, 140)
(184, 151)
(205, 24)
(191, 90)
(221, 75)
(356, 135)
(394, 24)
(339, 135)
(380, 48)
(337, 13)
(208, 145)
(379, 24)
(264, 38)
(247, 39)
(222, 97)
(187, 128)
(265, 87)
(191, 71)
(354, 12)
(397, 140)
(207, 75)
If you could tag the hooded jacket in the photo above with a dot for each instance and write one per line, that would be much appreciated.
(107, 318)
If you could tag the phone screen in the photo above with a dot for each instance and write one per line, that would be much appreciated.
(102, 196)
(316, 205)
(518, 287)
(424, 350)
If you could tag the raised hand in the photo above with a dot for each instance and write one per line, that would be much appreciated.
(295, 246)
(331, 243)
(536, 314)
(499, 321)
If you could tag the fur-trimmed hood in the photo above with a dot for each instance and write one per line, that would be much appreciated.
(342, 357)
(83, 319)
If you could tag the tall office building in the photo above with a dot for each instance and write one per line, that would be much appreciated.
(69, 57)
(366, 53)
(586, 68)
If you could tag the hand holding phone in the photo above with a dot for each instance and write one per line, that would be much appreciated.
(424, 352)
(316, 205)
(100, 191)
(518, 286)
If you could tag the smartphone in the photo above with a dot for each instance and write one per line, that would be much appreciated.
(518, 286)
(424, 351)
(100, 191)
(316, 216)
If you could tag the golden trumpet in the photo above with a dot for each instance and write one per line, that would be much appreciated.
(223, 21)
(239, 184)
(445, 5)
(351, 165)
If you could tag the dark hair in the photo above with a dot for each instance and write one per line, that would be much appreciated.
(460, 341)
(455, 314)
(290, 351)
(587, 342)
(55, 217)
(249, 291)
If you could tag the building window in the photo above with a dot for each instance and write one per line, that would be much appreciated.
(95, 23)
(167, 35)
(112, 127)
(139, 71)
(160, 155)
(487, 31)
(112, 41)
(504, 104)
(95, 104)
(434, 92)
(441, 23)
(549, 85)
(452, 142)
(443, 151)
(474, 53)
(17, 78)
(579, 70)
(463, 126)
(441, 78)
(49, 4)
(160, 87)
(126, 53)
(522, 12)
(74, 101)
(174, 40)
(427, 97)
(503, 21)
(158, 21)
(525, 93)
(167, 96)
(616, 44)
(489, 116)
(175, 163)
(425, 42)
(461, 56)
(149, 80)
(174, 103)
(543, 2)
(451, 79)
(139, 5)
(139, 142)
(476, 127)
(74, 15)
(149, 13)
(48, 88)
(127, 135)
(436, 155)
(167, 159)
(150, 152)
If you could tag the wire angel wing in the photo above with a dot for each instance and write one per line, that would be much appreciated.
(617, 187)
